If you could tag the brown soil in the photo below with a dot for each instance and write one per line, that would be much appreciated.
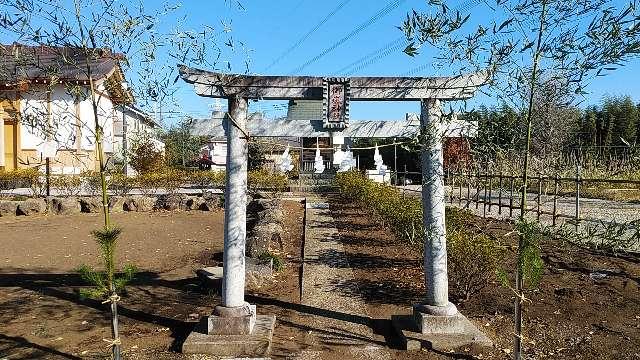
(41, 313)
(571, 315)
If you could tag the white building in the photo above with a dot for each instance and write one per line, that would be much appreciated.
(46, 109)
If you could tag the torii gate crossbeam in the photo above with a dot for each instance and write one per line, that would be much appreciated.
(436, 314)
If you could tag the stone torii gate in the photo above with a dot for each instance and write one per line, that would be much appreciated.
(235, 317)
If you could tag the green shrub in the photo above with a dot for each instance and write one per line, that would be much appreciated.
(402, 215)
(206, 179)
(148, 182)
(172, 179)
(145, 158)
(472, 262)
(67, 185)
(265, 180)
(92, 182)
(120, 184)
(29, 177)
(473, 258)
(278, 263)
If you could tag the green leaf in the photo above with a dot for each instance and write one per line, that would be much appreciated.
(503, 279)
(411, 50)
(527, 46)
(505, 24)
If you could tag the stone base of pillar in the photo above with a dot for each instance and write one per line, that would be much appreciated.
(232, 320)
(257, 343)
(437, 328)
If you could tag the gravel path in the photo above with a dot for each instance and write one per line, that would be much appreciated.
(593, 210)
(319, 290)
(593, 213)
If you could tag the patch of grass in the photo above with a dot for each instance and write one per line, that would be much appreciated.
(278, 262)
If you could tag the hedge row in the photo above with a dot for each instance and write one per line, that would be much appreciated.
(167, 179)
(401, 214)
(473, 257)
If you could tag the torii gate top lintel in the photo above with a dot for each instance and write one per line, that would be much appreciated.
(220, 85)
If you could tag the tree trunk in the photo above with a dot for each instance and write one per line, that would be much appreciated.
(519, 302)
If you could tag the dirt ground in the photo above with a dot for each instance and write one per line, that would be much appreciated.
(587, 307)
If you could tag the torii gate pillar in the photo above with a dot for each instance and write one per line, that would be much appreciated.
(433, 203)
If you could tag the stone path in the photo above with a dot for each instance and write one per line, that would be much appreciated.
(346, 321)
(594, 213)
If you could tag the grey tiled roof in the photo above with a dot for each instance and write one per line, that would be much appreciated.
(304, 110)
(21, 62)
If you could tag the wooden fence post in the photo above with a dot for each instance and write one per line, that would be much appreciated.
(555, 198)
(577, 215)
(461, 176)
(469, 189)
(539, 195)
(47, 175)
(404, 182)
(484, 197)
(477, 195)
(511, 197)
(500, 194)
(490, 191)
(451, 182)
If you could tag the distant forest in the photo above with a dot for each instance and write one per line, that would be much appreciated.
(615, 122)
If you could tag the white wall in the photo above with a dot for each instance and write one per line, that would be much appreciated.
(33, 119)
(106, 116)
(136, 128)
(64, 121)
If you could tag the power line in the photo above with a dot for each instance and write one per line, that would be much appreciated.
(380, 14)
(372, 54)
(390, 48)
(379, 56)
(464, 7)
(308, 34)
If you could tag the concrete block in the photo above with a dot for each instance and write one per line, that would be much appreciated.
(171, 202)
(194, 203)
(91, 204)
(232, 321)
(116, 204)
(211, 201)
(258, 205)
(255, 344)
(263, 236)
(442, 333)
(211, 276)
(271, 216)
(140, 203)
(64, 206)
(258, 272)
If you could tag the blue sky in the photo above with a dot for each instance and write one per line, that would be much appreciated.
(270, 29)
